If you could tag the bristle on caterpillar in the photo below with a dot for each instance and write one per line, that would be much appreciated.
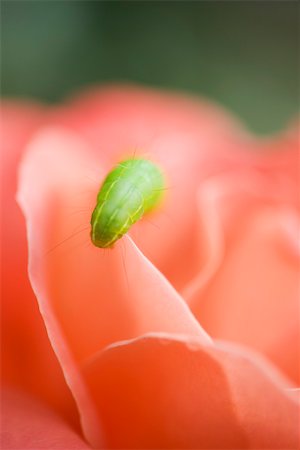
(131, 189)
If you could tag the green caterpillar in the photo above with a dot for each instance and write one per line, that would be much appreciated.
(133, 188)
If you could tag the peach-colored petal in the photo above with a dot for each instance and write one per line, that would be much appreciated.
(161, 392)
(88, 297)
(248, 289)
(27, 357)
(28, 424)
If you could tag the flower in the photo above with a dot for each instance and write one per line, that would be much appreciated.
(185, 334)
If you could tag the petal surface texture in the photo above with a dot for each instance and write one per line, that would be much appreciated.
(156, 392)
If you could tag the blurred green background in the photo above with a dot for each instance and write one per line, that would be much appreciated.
(242, 54)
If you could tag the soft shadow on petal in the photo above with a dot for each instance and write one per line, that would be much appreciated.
(247, 290)
(89, 297)
(160, 391)
(29, 424)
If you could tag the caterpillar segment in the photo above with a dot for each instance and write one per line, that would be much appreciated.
(133, 188)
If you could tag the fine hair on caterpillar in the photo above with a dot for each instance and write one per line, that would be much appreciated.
(132, 189)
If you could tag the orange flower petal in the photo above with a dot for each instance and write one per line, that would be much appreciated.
(157, 392)
(88, 297)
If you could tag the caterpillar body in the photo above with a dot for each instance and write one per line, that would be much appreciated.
(133, 188)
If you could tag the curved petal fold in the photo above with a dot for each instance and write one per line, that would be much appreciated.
(28, 360)
(163, 392)
(247, 289)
